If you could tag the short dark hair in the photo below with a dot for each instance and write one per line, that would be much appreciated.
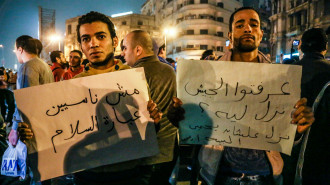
(29, 44)
(314, 40)
(54, 55)
(77, 51)
(160, 48)
(231, 19)
(94, 17)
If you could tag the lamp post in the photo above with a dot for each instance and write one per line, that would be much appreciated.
(3, 57)
(55, 38)
(170, 31)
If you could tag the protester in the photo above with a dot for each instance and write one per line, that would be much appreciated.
(230, 165)
(75, 65)
(58, 67)
(138, 52)
(32, 72)
(208, 55)
(162, 54)
(172, 62)
(315, 74)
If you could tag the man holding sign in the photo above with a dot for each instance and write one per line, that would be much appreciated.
(98, 39)
(231, 165)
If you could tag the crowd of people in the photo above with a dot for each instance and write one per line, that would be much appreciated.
(217, 164)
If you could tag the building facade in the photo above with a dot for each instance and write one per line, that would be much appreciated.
(123, 25)
(200, 24)
(290, 18)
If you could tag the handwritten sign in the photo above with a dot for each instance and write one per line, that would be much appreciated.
(246, 105)
(88, 122)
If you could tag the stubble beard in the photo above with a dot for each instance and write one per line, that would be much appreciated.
(243, 48)
(105, 61)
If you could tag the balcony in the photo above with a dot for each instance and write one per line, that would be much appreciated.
(201, 19)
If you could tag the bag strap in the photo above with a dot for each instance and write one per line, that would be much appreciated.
(55, 69)
(300, 163)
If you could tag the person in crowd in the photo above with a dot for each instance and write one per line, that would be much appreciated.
(97, 37)
(32, 72)
(7, 101)
(172, 62)
(58, 67)
(5, 76)
(12, 81)
(138, 52)
(120, 56)
(162, 54)
(231, 165)
(208, 55)
(75, 65)
(315, 74)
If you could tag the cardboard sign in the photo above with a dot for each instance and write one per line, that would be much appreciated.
(88, 122)
(238, 104)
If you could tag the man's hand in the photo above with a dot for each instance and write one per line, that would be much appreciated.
(25, 132)
(175, 113)
(302, 116)
(13, 137)
(154, 112)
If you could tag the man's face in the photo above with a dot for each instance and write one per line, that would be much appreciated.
(246, 33)
(96, 42)
(2, 78)
(129, 53)
(75, 59)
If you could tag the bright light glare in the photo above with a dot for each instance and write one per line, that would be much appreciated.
(1, 46)
(54, 38)
(170, 31)
(15, 66)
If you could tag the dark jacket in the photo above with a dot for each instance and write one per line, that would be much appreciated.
(7, 97)
(162, 86)
(315, 74)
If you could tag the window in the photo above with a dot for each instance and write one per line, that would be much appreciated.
(204, 32)
(220, 34)
(123, 23)
(140, 23)
(203, 47)
(204, 1)
(190, 32)
(220, 19)
(190, 46)
(220, 48)
(69, 29)
(220, 4)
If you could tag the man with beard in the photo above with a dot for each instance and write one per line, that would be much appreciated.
(58, 67)
(230, 165)
(75, 65)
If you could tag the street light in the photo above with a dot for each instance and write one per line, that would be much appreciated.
(170, 31)
(3, 57)
(55, 38)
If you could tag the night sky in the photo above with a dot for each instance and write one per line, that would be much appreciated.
(20, 17)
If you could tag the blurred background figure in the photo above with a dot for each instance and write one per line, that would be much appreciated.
(7, 101)
(209, 55)
(172, 62)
